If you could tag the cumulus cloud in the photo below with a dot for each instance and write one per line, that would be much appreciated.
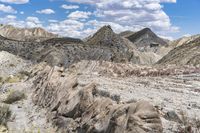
(135, 14)
(68, 27)
(120, 14)
(46, 11)
(68, 7)
(52, 21)
(7, 9)
(79, 15)
(15, 1)
(29, 22)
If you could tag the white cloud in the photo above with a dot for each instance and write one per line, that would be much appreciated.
(68, 7)
(30, 22)
(53, 21)
(21, 12)
(15, 1)
(187, 35)
(7, 9)
(33, 22)
(46, 11)
(133, 13)
(68, 27)
(79, 15)
(167, 37)
(11, 17)
(120, 14)
(169, 1)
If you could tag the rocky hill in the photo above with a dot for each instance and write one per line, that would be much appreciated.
(182, 41)
(25, 34)
(185, 54)
(146, 39)
(103, 45)
(67, 51)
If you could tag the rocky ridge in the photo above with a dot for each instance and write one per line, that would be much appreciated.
(186, 54)
(146, 39)
(74, 107)
(25, 34)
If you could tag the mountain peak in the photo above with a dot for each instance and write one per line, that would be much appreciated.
(147, 29)
(145, 37)
(103, 36)
(105, 30)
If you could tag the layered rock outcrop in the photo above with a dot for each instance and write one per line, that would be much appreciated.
(78, 108)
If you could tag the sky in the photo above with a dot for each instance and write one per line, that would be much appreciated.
(170, 19)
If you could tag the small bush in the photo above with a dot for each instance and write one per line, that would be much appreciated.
(14, 96)
(5, 114)
(12, 65)
(14, 79)
(25, 73)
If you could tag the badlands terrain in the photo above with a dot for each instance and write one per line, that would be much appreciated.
(132, 82)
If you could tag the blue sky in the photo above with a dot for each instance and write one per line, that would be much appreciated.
(81, 18)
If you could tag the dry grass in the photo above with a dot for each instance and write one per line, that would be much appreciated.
(187, 125)
(5, 114)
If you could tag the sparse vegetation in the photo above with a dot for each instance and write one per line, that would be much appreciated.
(13, 79)
(5, 114)
(188, 125)
(14, 96)
(1, 80)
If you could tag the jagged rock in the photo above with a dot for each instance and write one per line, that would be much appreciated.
(84, 109)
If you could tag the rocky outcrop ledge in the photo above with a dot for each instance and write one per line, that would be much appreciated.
(77, 108)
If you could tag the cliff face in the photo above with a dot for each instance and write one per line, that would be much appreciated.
(25, 34)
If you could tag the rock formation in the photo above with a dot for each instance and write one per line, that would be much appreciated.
(76, 108)
(146, 39)
(25, 34)
(186, 54)
(67, 51)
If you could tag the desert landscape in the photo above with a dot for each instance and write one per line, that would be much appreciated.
(107, 68)
(105, 83)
